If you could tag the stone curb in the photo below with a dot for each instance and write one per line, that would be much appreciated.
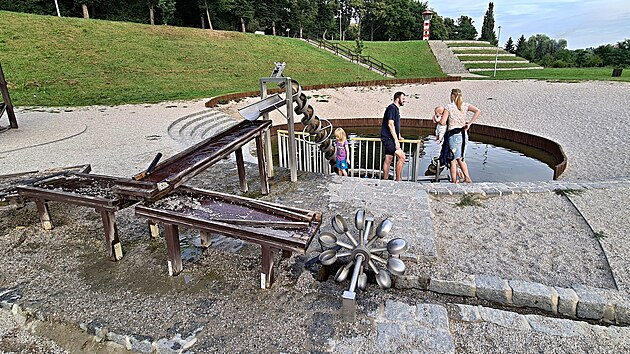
(10, 300)
(507, 188)
(580, 301)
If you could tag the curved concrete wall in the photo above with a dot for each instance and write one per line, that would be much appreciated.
(553, 148)
(214, 101)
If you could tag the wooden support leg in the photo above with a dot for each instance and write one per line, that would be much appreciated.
(174, 253)
(286, 254)
(154, 230)
(112, 243)
(240, 165)
(205, 239)
(262, 167)
(44, 215)
(266, 277)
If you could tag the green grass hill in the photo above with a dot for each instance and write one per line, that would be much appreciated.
(52, 61)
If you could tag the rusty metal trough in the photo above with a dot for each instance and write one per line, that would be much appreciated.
(273, 226)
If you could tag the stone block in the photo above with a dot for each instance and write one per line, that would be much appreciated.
(141, 344)
(622, 311)
(493, 289)
(567, 301)
(120, 339)
(534, 295)
(592, 303)
(429, 340)
(556, 326)
(468, 313)
(505, 319)
(432, 316)
(464, 287)
(388, 335)
(398, 311)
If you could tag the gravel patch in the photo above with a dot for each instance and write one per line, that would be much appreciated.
(539, 238)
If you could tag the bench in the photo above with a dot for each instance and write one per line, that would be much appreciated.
(272, 226)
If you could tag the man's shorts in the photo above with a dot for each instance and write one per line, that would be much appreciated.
(389, 146)
(342, 164)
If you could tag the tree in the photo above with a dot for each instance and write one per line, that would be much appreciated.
(204, 4)
(520, 46)
(487, 29)
(509, 46)
(375, 13)
(167, 7)
(465, 29)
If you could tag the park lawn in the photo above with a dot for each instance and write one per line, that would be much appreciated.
(411, 59)
(478, 51)
(560, 74)
(53, 61)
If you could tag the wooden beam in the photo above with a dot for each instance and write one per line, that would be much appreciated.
(174, 253)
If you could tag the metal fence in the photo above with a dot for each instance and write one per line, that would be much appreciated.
(366, 156)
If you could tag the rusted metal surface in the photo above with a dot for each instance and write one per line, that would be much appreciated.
(94, 191)
(8, 183)
(176, 170)
(273, 226)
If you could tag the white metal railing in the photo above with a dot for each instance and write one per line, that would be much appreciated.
(366, 157)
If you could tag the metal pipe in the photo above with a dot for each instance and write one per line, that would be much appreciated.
(496, 57)
(355, 272)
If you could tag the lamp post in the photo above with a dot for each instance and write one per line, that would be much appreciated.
(426, 16)
(340, 24)
(57, 6)
(496, 57)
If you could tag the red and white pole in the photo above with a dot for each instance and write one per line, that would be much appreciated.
(426, 16)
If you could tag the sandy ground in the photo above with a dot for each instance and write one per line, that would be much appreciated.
(64, 271)
(587, 119)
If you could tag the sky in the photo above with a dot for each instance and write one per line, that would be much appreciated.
(583, 23)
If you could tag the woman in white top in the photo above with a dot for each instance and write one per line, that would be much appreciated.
(457, 131)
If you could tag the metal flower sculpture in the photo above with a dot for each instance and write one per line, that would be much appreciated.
(363, 254)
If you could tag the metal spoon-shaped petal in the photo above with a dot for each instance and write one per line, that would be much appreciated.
(396, 266)
(362, 281)
(339, 224)
(342, 273)
(384, 228)
(384, 280)
(328, 257)
(328, 240)
(359, 219)
(396, 246)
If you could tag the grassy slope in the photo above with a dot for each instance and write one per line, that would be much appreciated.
(410, 58)
(571, 74)
(51, 61)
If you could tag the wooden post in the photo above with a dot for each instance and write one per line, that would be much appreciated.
(262, 168)
(266, 277)
(7, 100)
(154, 230)
(112, 243)
(240, 165)
(205, 239)
(174, 254)
(44, 215)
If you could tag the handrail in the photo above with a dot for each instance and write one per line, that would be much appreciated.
(365, 159)
(341, 49)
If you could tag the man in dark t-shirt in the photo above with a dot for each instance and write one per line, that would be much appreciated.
(390, 136)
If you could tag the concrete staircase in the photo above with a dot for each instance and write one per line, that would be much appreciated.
(478, 56)
(199, 125)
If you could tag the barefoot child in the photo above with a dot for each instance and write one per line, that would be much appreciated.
(440, 129)
(341, 143)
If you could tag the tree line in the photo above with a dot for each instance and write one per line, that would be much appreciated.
(549, 52)
(329, 19)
